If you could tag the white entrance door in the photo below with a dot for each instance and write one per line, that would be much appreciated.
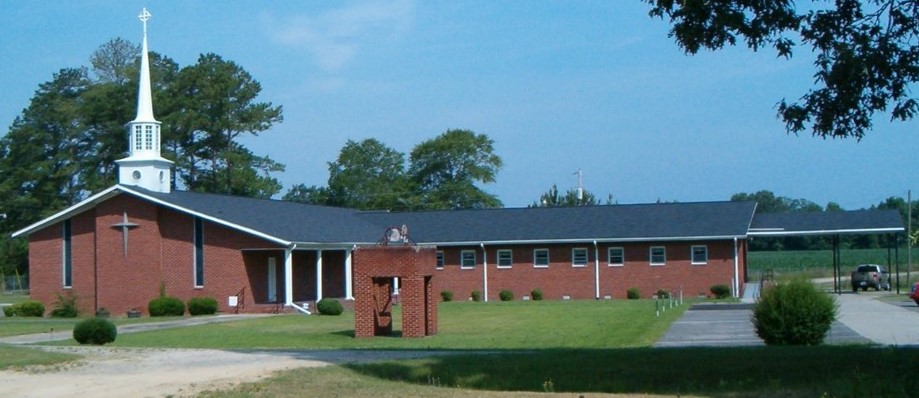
(272, 280)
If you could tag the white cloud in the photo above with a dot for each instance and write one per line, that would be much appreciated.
(335, 37)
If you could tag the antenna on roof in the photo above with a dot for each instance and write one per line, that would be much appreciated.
(580, 186)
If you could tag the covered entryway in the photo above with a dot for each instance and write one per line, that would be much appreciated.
(291, 278)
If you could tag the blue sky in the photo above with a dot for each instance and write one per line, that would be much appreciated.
(558, 85)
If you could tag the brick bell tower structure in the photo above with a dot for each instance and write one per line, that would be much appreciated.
(374, 269)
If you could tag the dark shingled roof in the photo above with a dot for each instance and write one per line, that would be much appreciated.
(602, 223)
(831, 222)
(297, 222)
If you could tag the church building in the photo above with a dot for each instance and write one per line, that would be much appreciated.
(119, 247)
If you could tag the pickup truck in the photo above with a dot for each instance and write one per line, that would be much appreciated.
(870, 275)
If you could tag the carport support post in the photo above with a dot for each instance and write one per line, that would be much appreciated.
(318, 275)
(288, 277)
(348, 288)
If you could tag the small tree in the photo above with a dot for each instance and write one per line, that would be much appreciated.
(794, 313)
(65, 306)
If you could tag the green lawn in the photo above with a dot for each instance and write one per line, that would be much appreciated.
(462, 326)
(14, 357)
(826, 371)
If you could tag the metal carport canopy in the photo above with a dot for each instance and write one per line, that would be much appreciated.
(835, 223)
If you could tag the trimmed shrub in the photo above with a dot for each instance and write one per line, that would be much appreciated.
(166, 306)
(8, 311)
(663, 294)
(476, 295)
(328, 306)
(29, 308)
(65, 306)
(794, 313)
(721, 291)
(202, 306)
(632, 293)
(536, 294)
(506, 295)
(97, 331)
(446, 295)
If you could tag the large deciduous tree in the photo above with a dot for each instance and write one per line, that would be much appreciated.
(447, 169)
(367, 175)
(867, 53)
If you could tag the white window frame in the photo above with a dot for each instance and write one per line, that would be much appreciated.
(510, 258)
(692, 254)
(439, 262)
(463, 254)
(609, 256)
(651, 255)
(548, 259)
(574, 257)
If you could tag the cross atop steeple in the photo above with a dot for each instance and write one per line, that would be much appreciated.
(144, 166)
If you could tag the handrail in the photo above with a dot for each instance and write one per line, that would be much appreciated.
(304, 309)
(240, 299)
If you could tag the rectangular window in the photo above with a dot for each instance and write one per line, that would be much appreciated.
(699, 255)
(148, 137)
(67, 259)
(138, 138)
(541, 258)
(658, 255)
(199, 253)
(579, 257)
(467, 259)
(616, 256)
(505, 258)
(440, 259)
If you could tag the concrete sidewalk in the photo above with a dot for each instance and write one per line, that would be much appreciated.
(66, 334)
(882, 322)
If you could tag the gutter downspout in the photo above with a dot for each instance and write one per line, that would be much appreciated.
(596, 271)
(736, 271)
(484, 270)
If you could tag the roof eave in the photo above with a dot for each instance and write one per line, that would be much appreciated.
(583, 240)
(773, 232)
(70, 211)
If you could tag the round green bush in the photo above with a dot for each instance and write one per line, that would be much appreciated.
(632, 293)
(476, 295)
(329, 306)
(446, 295)
(506, 295)
(536, 294)
(29, 308)
(794, 313)
(166, 306)
(97, 331)
(8, 311)
(202, 306)
(721, 291)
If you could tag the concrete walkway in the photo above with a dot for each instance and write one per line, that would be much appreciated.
(66, 334)
(862, 319)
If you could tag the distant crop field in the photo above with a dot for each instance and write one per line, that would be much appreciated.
(817, 263)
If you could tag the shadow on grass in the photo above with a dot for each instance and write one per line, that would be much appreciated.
(839, 371)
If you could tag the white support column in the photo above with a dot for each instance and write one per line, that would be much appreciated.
(485, 271)
(395, 285)
(736, 271)
(318, 275)
(596, 271)
(348, 287)
(288, 276)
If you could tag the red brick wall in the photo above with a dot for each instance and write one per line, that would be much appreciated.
(561, 278)
(46, 271)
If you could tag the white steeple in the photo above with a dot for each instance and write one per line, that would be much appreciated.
(144, 167)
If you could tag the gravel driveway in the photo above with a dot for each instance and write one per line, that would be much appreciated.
(144, 372)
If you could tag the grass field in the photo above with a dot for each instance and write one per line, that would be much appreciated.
(15, 357)
(18, 326)
(462, 326)
(712, 372)
(819, 263)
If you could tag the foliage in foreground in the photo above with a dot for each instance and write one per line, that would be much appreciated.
(96, 331)
(28, 308)
(790, 372)
(65, 306)
(794, 313)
